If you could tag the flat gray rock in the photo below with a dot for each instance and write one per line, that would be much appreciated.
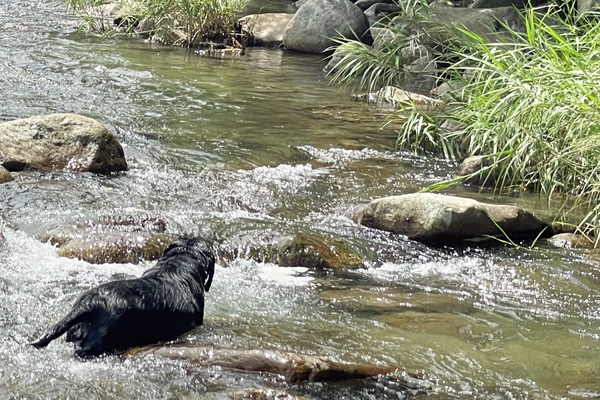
(444, 219)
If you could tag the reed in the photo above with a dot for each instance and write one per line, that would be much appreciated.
(531, 102)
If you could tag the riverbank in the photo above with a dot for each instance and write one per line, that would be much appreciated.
(255, 146)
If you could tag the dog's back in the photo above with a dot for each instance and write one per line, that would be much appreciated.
(165, 302)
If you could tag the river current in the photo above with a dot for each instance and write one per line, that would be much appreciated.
(264, 145)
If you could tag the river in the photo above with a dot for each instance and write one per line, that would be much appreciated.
(262, 144)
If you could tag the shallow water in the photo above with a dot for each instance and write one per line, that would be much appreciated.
(262, 145)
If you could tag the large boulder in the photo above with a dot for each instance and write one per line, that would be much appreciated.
(443, 219)
(264, 29)
(317, 22)
(59, 142)
(489, 23)
(379, 14)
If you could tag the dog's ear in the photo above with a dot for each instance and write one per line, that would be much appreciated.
(176, 243)
(210, 270)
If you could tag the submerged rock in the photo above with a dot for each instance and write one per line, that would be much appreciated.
(109, 239)
(5, 176)
(263, 394)
(293, 366)
(59, 142)
(393, 97)
(444, 219)
(571, 240)
(315, 251)
(317, 22)
(117, 247)
(264, 29)
(308, 250)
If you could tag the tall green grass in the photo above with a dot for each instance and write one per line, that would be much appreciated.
(187, 23)
(369, 68)
(199, 20)
(532, 103)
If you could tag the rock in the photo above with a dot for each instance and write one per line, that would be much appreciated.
(117, 247)
(110, 239)
(447, 90)
(571, 240)
(317, 22)
(145, 28)
(263, 394)
(588, 6)
(420, 72)
(264, 29)
(441, 219)
(520, 4)
(381, 12)
(98, 226)
(301, 250)
(473, 168)
(59, 142)
(299, 3)
(315, 251)
(336, 57)
(382, 37)
(366, 4)
(294, 367)
(377, 300)
(393, 97)
(5, 176)
(489, 23)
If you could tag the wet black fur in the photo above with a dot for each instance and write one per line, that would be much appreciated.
(166, 301)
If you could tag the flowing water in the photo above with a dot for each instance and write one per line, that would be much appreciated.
(262, 145)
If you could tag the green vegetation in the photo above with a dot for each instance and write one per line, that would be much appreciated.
(190, 23)
(371, 68)
(530, 103)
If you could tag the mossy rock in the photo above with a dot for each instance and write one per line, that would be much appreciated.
(301, 250)
(117, 247)
(98, 226)
(111, 239)
(316, 251)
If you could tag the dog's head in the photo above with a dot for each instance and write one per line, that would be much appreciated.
(197, 248)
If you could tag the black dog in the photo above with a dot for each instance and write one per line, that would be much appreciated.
(166, 301)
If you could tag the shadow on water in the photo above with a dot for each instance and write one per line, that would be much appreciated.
(263, 145)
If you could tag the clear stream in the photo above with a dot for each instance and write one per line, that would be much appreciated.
(262, 144)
